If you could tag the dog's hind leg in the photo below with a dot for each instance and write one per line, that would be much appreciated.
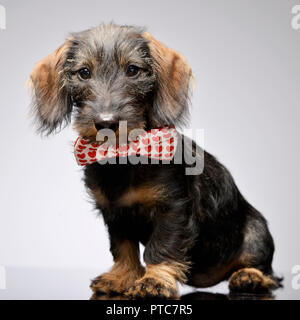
(254, 265)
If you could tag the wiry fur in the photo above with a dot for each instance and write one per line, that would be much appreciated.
(197, 229)
(51, 101)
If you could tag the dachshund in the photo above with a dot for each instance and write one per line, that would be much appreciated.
(197, 229)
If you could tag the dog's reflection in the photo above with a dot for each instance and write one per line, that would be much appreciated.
(200, 295)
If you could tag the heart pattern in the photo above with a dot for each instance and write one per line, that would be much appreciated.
(159, 144)
(92, 154)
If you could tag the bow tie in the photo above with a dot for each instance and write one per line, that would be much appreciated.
(159, 144)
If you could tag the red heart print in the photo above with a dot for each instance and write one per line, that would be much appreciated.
(113, 153)
(168, 135)
(158, 148)
(81, 155)
(157, 155)
(82, 161)
(92, 149)
(156, 139)
(154, 131)
(148, 149)
(92, 154)
(168, 155)
(171, 140)
(135, 146)
(145, 141)
(95, 145)
(103, 152)
(104, 146)
(170, 148)
(83, 141)
(81, 147)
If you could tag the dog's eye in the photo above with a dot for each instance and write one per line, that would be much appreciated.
(84, 73)
(132, 70)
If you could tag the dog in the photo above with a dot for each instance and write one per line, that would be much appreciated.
(196, 229)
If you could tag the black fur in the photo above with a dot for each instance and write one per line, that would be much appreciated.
(204, 221)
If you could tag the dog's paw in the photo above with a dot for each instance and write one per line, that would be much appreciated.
(150, 288)
(106, 284)
(251, 280)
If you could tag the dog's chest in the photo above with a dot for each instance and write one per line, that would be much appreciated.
(146, 195)
(125, 186)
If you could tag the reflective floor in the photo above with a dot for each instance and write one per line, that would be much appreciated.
(73, 284)
(202, 295)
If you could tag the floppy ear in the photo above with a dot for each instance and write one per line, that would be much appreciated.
(174, 75)
(52, 104)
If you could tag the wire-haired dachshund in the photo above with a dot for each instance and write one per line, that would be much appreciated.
(196, 229)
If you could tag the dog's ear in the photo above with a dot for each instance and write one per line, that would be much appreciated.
(52, 102)
(174, 76)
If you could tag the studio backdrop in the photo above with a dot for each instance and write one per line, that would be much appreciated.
(245, 60)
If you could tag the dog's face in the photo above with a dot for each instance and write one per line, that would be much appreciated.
(110, 74)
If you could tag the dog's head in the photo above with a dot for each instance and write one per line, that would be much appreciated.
(108, 74)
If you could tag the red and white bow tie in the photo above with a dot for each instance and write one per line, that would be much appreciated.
(158, 144)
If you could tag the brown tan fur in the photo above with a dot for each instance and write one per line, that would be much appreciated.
(175, 76)
(87, 131)
(159, 280)
(251, 280)
(47, 82)
(147, 195)
(126, 270)
(100, 197)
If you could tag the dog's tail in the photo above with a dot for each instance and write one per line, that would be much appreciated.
(277, 281)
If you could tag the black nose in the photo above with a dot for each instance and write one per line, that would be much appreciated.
(100, 124)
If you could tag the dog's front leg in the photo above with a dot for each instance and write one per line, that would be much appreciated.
(126, 270)
(166, 258)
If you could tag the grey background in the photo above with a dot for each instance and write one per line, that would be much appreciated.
(245, 57)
